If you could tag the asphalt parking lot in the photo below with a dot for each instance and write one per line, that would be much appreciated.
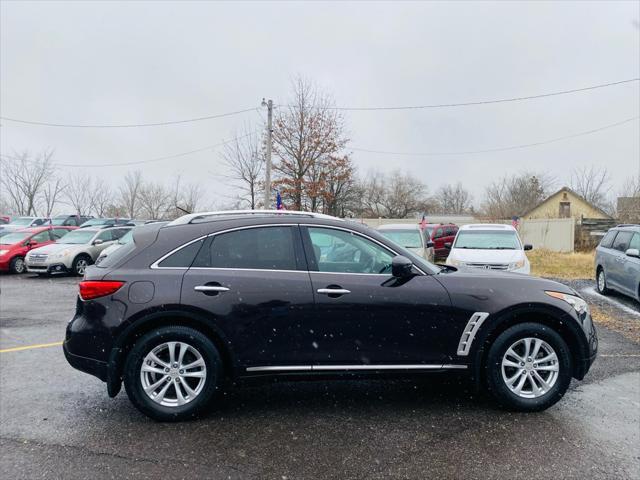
(59, 423)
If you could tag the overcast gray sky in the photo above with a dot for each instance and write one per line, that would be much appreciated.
(154, 61)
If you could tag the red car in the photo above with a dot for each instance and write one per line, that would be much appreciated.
(441, 234)
(15, 245)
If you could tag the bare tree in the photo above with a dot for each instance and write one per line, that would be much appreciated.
(77, 193)
(101, 197)
(453, 199)
(373, 193)
(404, 194)
(129, 193)
(184, 198)
(514, 195)
(245, 164)
(304, 133)
(51, 195)
(154, 200)
(592, 184)
(23, 179)
(630, 188)
(338, 185)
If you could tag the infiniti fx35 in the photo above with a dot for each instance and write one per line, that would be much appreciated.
(227, 296)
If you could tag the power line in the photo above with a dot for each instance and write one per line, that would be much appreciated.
(130, 125)
(499, 149)
(480, 102)
(139, 162)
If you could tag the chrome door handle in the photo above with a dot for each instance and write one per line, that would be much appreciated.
(333, 291)
(210, 288)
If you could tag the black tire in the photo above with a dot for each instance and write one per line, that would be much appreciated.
(601, 282)
(146, 344)
(17, 265)
(496, 384)
(80, 263)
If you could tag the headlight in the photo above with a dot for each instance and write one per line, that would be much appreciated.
(577, 303)
(2, 252)
(516, 265)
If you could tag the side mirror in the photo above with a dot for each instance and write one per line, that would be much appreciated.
(401, 267)
(97, 241)
(447, 245)
(31, 243)
(430, 244)
(633, 252)
(528, 246)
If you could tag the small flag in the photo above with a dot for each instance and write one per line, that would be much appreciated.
(515, 222)
(423, 222)
(279, 204)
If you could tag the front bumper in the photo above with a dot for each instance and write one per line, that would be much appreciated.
(4, 264)
(50, 269)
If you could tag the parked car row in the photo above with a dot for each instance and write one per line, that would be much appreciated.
(491, 247)
(64, 220)
(56, 249)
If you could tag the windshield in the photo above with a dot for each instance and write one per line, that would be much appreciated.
(15, 237)
(488, 240)
(77, 237)
(404, 238)
(22, 221)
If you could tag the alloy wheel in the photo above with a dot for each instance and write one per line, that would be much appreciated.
(81, 266)
(19, 265)
(601, 281)
(530, 368)
(173, 374)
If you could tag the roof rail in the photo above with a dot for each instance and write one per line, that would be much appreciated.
(628, 225)
(186, 219)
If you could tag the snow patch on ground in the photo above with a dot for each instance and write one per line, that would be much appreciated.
(592, 292)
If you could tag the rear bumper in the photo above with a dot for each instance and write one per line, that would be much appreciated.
(4, 264)
(84, 364)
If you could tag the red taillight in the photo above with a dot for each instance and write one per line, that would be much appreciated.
(90, 289)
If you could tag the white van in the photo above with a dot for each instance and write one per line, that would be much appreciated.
(492, 247)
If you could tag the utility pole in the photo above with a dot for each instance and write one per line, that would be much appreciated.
(267, 176)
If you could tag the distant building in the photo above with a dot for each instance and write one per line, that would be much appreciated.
(628, 209)
(566, 203)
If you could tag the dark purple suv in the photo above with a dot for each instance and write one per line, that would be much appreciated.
(239, 295)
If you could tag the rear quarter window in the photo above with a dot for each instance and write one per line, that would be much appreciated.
(182, 258)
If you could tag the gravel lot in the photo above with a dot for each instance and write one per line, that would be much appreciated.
(56, 422)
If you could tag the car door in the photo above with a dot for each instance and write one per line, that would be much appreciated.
(438, 241)
(630, 268)
(253, 283)
(39, 240)
(365, 316)
(618, 259)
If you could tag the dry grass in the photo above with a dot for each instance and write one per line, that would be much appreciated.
(570, 266)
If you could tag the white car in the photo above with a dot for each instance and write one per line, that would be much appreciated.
(491, 247)
(126, 238)
(411, 237)
(25, 222)
(74, 252)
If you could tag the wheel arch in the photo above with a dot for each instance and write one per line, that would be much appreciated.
(552, 317)
(148, 320)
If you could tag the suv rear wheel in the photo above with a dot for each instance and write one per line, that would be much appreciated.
(601, 282)
(172, 373)
(528, 367)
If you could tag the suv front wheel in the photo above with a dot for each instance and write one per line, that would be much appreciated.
(601, 282)
(528, 367)
(172, 373)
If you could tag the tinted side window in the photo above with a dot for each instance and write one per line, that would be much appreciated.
(59, 233)
(117, 233)
(264, 248)
(635, 241)
(105, 236)
(622, 241)
(607, 240)
(183, 258)
(338, 251)
(438, 233)
(41, 237)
